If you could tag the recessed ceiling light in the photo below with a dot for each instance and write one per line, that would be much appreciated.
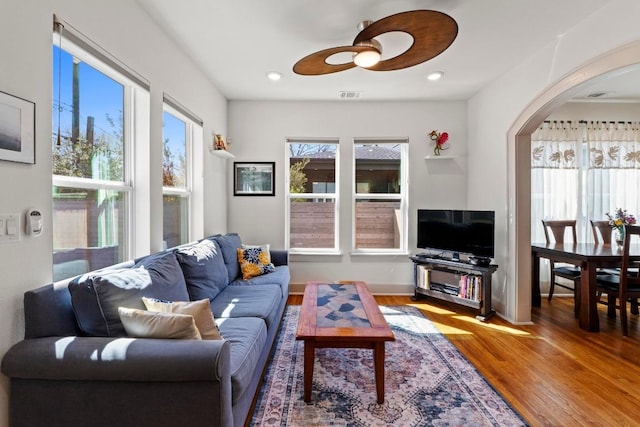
(274, 76)
(437, 75)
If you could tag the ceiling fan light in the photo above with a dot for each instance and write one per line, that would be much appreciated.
(367, 58)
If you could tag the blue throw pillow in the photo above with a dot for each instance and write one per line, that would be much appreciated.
(229, 243)
(204, 269)
(97, 295)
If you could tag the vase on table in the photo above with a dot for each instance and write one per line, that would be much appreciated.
(618, 235)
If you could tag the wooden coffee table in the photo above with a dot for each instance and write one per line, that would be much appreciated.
(342, 315)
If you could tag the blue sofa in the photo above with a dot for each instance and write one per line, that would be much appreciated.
(77, 366)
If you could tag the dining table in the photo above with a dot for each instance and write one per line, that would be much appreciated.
(590, 257)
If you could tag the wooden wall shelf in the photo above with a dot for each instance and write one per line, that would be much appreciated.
(439, 157)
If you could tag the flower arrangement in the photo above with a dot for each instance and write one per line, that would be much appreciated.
(618, 220)
(440, 138)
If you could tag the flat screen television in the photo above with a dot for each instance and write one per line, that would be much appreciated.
(457, 231)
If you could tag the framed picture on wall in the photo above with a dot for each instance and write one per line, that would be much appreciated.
(17, 129)
(254, 178)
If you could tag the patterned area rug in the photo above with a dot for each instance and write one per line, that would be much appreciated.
(427, 382)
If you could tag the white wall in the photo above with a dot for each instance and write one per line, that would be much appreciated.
(495, 109)
(259, 129)
(597, 111)
(124, 30)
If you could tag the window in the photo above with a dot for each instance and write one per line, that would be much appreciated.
(312, 208)
(176, 194)
(379, 198)
(93, 103)
(582, 171)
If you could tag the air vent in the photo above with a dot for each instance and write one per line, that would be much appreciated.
(349, 94)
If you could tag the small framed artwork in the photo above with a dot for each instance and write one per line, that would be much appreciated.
(17, 129)
(254, 178)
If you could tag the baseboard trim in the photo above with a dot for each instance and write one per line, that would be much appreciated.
(376, 289)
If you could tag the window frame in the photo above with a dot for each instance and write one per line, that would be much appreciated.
(335, 196)
(402, 195)
(135, 136)
(186, 191)
(131, 90)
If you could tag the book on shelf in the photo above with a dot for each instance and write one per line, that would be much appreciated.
(422, 277)
(470, 287)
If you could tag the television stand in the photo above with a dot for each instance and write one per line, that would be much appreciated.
(481, 261)
(458, 282)
(426, 255)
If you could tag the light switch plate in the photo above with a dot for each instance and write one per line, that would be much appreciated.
(10, 225)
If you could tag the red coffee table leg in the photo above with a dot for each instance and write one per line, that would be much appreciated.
(378, 357)
(309, 357)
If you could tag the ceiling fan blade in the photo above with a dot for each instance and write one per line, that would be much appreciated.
(316, 63)
(432, 32)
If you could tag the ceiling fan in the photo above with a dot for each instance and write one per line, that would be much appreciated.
(432, 33)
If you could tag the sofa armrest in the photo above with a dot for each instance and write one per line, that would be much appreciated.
(279, 257)
(119, 359)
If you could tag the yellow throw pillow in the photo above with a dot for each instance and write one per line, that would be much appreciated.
(254, 261)
(200, 310)
(146, 324)
(266, 249)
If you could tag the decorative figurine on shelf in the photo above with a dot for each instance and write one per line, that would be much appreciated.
(219, 143)
(440, 139)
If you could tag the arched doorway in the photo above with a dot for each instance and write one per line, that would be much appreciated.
(518, 155)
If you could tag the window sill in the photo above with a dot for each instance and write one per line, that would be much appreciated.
(315, 256)
(362, 253)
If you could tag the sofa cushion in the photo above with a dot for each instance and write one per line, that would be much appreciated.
(280, 276)
(254, 262)
(200, 310)
(248, 337)
(48, 312)
(151, 324)
(97, 295)
(204, 269)
(266, 248)
(229, 243)
(248, 301)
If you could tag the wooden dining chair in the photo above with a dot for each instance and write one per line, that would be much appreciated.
(624, 286)
(558, 229)
(601, 231)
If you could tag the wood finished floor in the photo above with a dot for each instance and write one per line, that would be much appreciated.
(553, 373)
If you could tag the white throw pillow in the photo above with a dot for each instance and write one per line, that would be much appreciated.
(147, 324)
(200, 310)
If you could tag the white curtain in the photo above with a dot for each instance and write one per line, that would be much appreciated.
(613, 171)
(555, 183)
(582, 171)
